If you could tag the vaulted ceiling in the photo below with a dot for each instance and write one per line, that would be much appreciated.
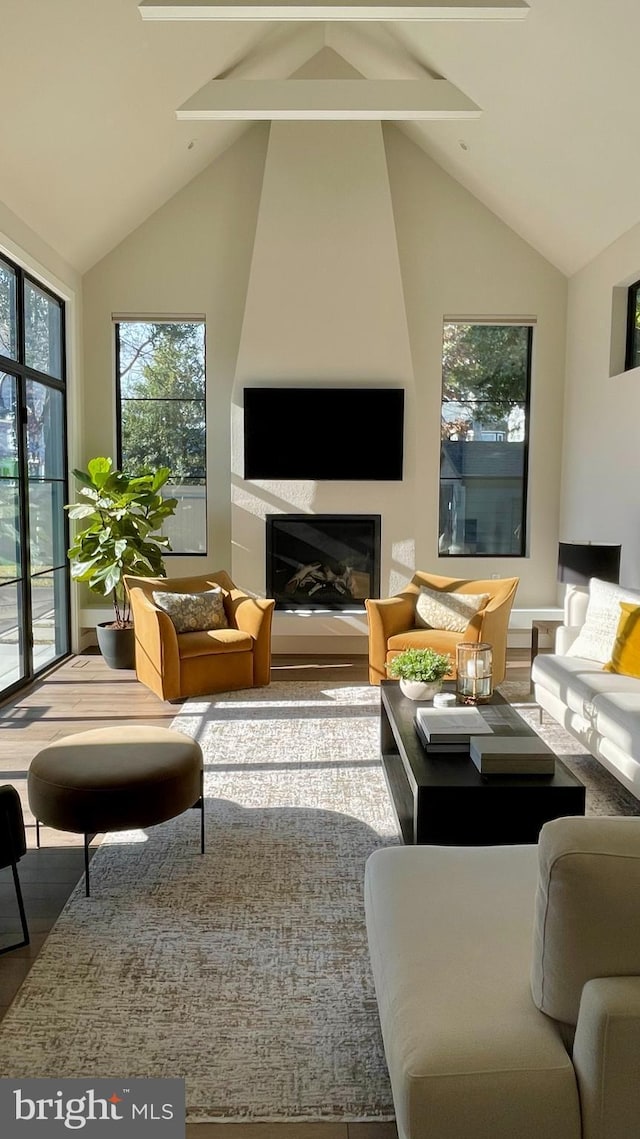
(90, 143)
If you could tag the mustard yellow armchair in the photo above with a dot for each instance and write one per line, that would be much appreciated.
(175, 665)
(393, 627)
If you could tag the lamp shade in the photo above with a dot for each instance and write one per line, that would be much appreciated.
(580, 561)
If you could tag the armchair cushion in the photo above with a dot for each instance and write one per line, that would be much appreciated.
(194, 612)
(436, 609)
(214, 640)
(440, 640)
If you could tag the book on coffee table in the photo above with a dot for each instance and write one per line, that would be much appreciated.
(511, 755)
(449, 729)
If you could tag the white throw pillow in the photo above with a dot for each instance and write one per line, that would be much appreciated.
(436, 609)
(596, 637)
(194, 612)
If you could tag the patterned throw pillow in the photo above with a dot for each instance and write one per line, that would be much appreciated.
(596, 637)
(436, 609)
(194, 612)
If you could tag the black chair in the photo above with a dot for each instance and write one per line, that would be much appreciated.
(13, 844)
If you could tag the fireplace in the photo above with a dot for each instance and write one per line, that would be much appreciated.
(323, 561)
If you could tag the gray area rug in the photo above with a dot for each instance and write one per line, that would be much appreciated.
(245, 971)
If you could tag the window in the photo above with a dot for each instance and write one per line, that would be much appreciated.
(161, 417)
(34, 574)
(632, 357)
(486, 371)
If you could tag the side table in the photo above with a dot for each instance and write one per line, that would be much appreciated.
(540, 626)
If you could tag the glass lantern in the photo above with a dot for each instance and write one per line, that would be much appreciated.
(474, 667)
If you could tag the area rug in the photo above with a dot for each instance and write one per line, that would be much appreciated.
(246, 970)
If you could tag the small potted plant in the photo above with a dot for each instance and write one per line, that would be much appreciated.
(420, 672)
(121, 513)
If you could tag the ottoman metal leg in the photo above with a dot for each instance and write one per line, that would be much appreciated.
(86, 865)
(202, 813)
(23, 916)
(200, 805)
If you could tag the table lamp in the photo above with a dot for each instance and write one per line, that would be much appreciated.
(580, 561)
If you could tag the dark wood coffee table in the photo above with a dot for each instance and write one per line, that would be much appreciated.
(443, 799)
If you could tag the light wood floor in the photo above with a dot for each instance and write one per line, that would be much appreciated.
(81, 694)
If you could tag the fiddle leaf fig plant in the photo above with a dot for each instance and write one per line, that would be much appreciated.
(123, 514)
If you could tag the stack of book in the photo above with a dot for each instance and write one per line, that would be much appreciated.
(445, 730)
(512, 755)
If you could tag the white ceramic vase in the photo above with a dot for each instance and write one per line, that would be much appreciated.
(420, 689)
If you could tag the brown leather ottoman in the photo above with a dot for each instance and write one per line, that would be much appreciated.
(115, 779)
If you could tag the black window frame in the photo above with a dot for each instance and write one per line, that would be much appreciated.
(155, 319)
(22, 373)
(496, 322)
(632, 345)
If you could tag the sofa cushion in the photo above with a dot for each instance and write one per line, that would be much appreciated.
(587, 920)
(440, 609)
(617, 718)
(193, 612)
(625, 654)
(450, 943)
(596, 638)
(578, 683)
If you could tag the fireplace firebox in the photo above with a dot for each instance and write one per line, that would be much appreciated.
(322, 561)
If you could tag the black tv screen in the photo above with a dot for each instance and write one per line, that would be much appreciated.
(323, 433)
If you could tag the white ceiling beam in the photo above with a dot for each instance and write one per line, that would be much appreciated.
(333, 10)
(377, 99)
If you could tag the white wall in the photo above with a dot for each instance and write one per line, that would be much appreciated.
(601, 463)
(455, 259)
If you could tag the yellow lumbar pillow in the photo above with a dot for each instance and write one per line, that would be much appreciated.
(625, 654)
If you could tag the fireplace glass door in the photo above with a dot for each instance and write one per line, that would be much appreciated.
(322, 561)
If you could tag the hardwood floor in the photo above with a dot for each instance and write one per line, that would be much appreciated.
(84, 693)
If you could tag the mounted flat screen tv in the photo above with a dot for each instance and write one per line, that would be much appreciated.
(323, 433)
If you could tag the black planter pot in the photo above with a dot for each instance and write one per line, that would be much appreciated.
(116, 645)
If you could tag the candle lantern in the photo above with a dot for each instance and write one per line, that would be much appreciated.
(474, 666)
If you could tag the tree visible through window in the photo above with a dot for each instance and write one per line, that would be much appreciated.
(162, 422)
(486, 372)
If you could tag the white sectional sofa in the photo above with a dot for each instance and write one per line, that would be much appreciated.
(508, 983)
(601, 709)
